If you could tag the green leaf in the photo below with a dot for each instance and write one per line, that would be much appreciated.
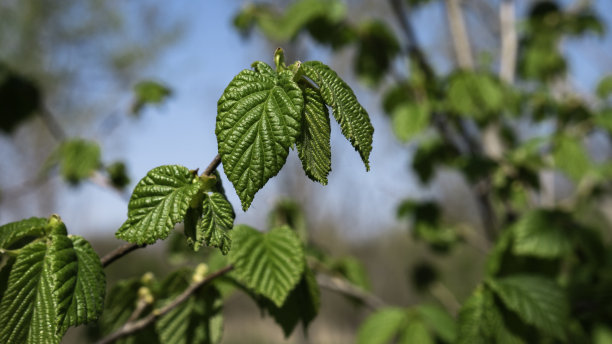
(159, 201)
(20, 98)
(353, 270)
(78, 159)
(536, 300)
(604, 88)
(313, 145)
(302, 304)
(480, 321)
(352, 117)
(271, 264)
(259, 119)
(13, 232)
(28, 307)
(217, 220)
(149, 92)
(382, 326)
(543, 233)
(376, 49)
(571, 157)
(197, 320)
(439, 321)
(117, 173)
(409, 119)
(85, 300)
(475, 95)
(415, 332)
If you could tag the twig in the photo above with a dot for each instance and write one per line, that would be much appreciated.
(119, 252)
(343, 287)
(55, 129)
(133, 326)
(507, 18)
(212, 166)
(461, 41)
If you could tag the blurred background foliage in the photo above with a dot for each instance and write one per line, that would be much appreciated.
(502, 108)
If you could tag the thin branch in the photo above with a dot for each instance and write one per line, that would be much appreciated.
(119, 252)
(341, 286)
(446, 297)
(134, 326)
(461, 41)
(509, 43)
(212, 166)
(55, 129)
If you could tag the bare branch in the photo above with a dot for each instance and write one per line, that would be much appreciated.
(509, 45)
(212, 166)
(461, 41)
(118, 253)
(134, 326)
(341, 286)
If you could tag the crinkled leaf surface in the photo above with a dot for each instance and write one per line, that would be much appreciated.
(28, 308)
(382, 326)
(85, 301)
(159, 201)
(313, 144)
(536, 300)
(12, 232)
(259, 119)
(352, 117)
(217, 220)
(271, 264)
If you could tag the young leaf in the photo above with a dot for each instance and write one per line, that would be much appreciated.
(313, 144)
(352, 117)
(409, 119)
(86, 299)
(439, 321)
(571, 157)
(217, 220)
(149, 92)
(382, 326)
(604, 88)
(11, 233)
(271, 264)
(28, 307)
(536, 300)
(259, 119)
(159, 201)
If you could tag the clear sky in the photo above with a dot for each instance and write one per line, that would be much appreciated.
(181, 131)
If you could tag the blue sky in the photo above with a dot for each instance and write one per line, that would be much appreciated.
(182, 131)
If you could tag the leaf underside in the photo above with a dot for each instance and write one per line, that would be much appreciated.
(259, 119)
(159, 201)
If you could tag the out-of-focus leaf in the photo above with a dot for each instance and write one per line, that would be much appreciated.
(77, 158)
(409, 119)
(117, 172)
(571, 157)
(20, 98)
(543, 233)
(149, 93)
(475, 95)
(604, 88)
(439, 321)
(382, 326)
(377, 48)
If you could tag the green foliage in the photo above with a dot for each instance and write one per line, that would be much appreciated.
(352, 117)
(217, 219)
(571, 157)
(382, 326)
(117, 173)
(536, 300)
(149, 93)
(20, 99)
(475, 95)
(262, 113)
(313, 144)
(77, 159)
(377, 48)
(604, 88)
(543, 233)
(410, 119)
(269, 263)
(17, 232)
(159, 201)
(55, 282)
(259, 119)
